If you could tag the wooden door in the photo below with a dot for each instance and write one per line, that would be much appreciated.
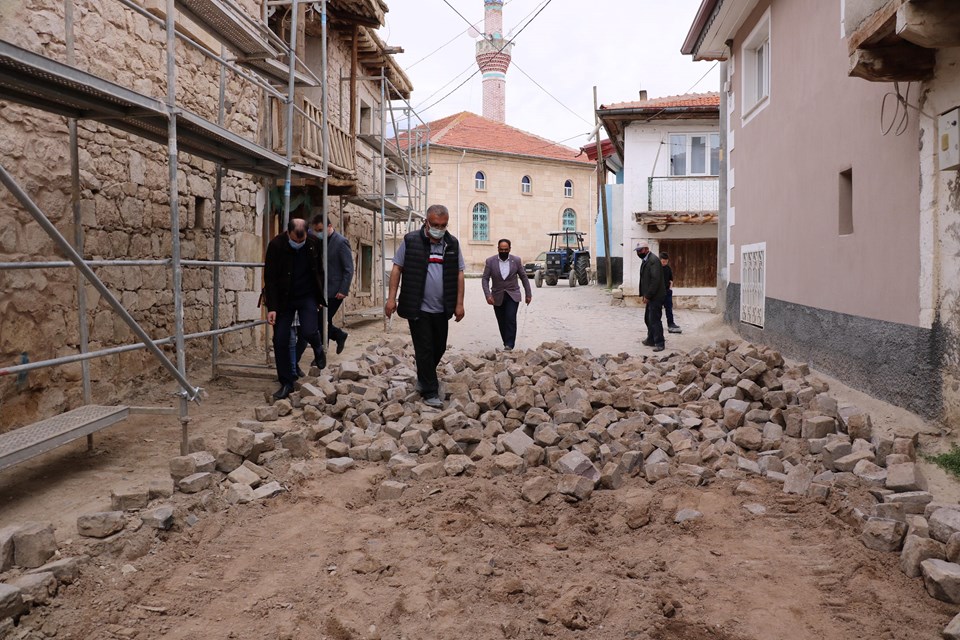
(694, 262)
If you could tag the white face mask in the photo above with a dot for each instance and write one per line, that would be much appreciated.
(436, 234)
(296, 245)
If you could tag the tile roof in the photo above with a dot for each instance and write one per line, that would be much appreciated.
(467, 130)
(710, 99)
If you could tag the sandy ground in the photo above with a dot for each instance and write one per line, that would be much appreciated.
(467, 558)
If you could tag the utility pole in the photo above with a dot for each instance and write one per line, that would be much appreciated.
(602, 193)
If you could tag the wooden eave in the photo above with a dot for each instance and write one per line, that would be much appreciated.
(899, 41)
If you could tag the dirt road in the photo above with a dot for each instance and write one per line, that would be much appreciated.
(464, 558)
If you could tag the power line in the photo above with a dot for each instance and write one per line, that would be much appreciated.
(558, 101)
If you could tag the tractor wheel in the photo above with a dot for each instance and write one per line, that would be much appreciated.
(582, 267)
(539, 279)
(551, 280)
(572, 278)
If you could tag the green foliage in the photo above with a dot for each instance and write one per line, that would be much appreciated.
(949, 461)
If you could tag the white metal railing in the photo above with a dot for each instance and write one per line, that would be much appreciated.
(753, 278)
(698, 194)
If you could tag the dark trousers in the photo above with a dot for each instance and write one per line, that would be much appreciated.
(506, 313)
(668, 307)
(429, 333)
(306, 310)
(653, 318)
(333, 333)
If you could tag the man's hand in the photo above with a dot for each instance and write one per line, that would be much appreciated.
(458, 313)
(389, 308)
(529, 299)
(340, 296)
(272, 317)
(489, 299)
(646, 300)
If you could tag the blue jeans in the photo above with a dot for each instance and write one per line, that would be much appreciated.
(506, 313)
(306, 309)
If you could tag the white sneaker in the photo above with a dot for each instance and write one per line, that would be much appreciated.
(436, 403)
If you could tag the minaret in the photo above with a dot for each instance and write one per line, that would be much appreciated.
(493, 58)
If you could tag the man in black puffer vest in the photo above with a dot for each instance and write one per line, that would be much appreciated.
(431, 266)
(293, 284)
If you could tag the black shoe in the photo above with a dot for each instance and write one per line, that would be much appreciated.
(283, 392)
(647, 343)
(300, 372)
(659, 347)
(342, 341)
(321, 362)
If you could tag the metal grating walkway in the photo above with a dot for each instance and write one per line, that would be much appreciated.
(24, 443)
(37, 81)
(228, 27)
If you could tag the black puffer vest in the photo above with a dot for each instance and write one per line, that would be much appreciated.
(414, 279)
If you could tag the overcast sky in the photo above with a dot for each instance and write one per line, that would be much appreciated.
(621, 46)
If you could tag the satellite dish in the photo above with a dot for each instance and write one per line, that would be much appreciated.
(473, 32)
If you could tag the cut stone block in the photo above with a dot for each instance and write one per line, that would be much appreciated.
(158, 518)
(339, 465)
(916, 550)
(33, 545)
(905, 477)
(36, 588)
(914, 502)
(100, 525)
(65, 570)
(266, 414)
(535, 490)
(509, 464)
(577, 486)
(944, 523)
(390, 490)
(942, 580)
(238, 494)
(798, 480)
(240, 441)
(197, 482)
(578, 464)
(244, 475)
(517, 441)
(129, 499)
(268, 490)
(848, 462)
(6, 546)
(11, 602)
(881, 534)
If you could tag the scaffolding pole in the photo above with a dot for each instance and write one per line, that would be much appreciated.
(290, 111)
(217, 205)
(325, 165)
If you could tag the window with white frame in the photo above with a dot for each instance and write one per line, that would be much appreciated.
(756, 67)
(569, 222)
(753, 278)
(480, 181)
(526, 185)
(694, 154)
(568, 189)
(481, 222)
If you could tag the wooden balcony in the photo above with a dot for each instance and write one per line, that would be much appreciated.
(308, 139)
(680, 200)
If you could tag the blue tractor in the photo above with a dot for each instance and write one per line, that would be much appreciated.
(566, 259)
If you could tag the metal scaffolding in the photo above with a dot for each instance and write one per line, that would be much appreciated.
(250, 50)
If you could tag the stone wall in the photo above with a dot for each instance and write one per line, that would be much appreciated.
(125, 212)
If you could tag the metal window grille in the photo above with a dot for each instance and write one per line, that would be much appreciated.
(569, 220)
(481, 222)
(753, 284)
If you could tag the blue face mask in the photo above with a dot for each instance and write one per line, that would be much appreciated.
(436, 234)
(296, 245)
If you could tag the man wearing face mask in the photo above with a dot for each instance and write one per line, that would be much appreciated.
(293, 285)
(653, 290)
(504, 270)
(339, 276)
(428, 269)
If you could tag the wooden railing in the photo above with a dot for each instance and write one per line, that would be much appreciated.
(307, 138)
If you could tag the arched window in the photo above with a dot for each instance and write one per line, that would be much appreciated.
(568, 189)
(526, 185)
(481, 181)
(481, 222)
(569, 220)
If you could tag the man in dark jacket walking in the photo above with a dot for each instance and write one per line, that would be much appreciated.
(431, 267)
(339, 277)
(293, 284)
(653, 290)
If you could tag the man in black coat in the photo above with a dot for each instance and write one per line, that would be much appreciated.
(293, 285)
(653, 290)
(339, 277)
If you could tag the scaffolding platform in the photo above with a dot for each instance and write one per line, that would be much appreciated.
(367, 313)
(227, 26)
(40, 82)
(25, 443)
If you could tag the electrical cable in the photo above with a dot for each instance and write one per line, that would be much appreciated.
(558, 101)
